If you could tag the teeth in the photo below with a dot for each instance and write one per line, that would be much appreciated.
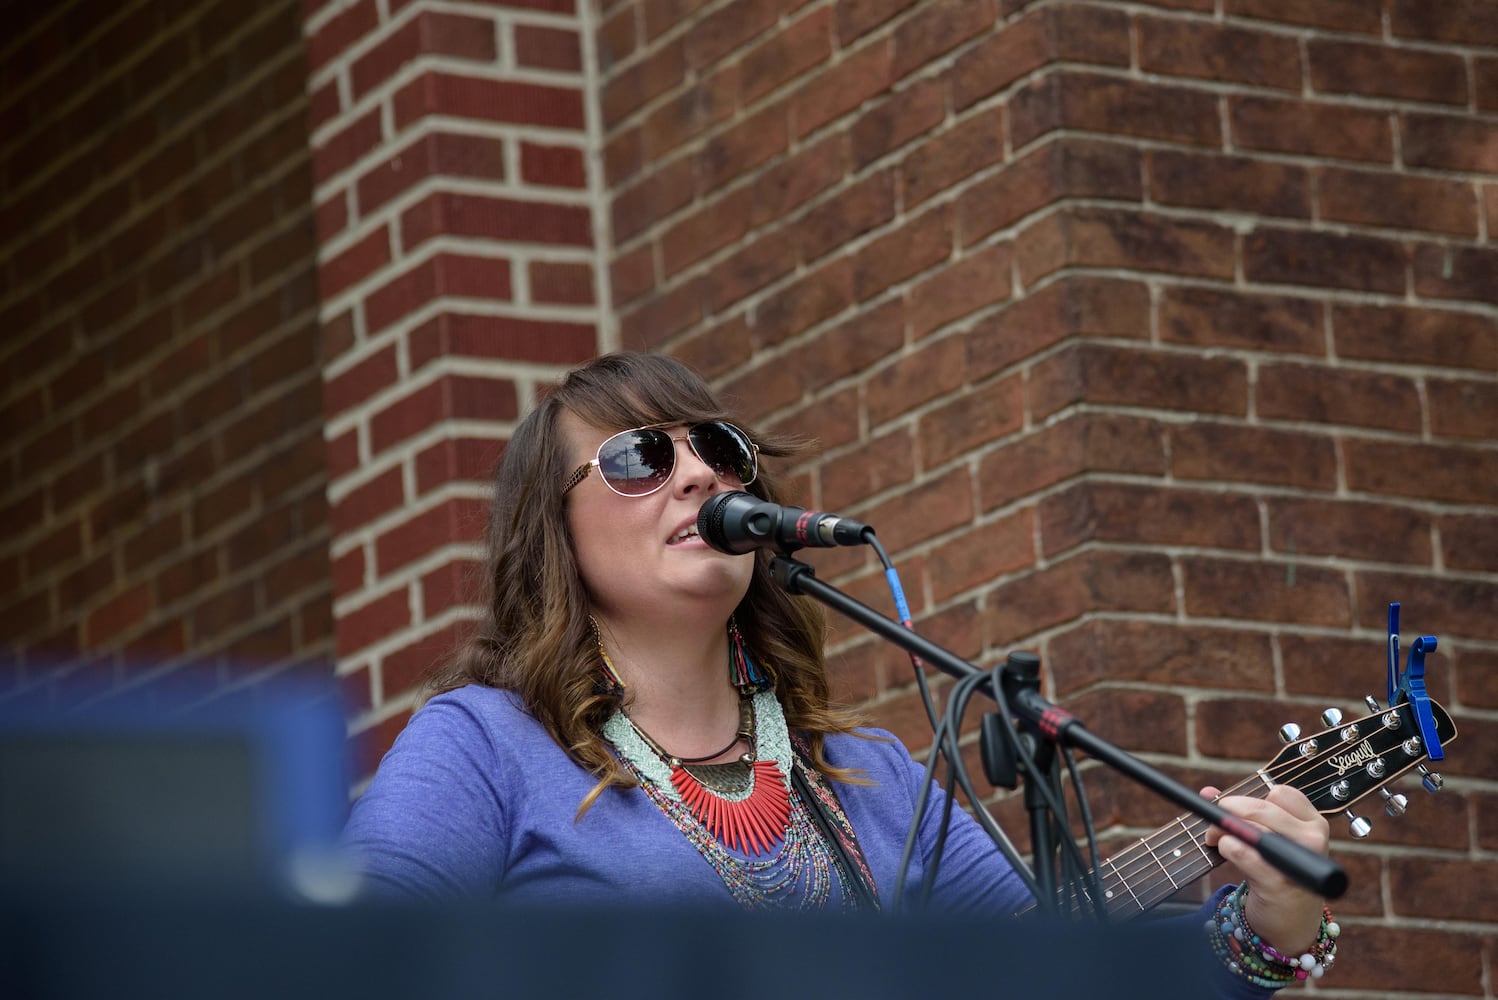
(690, 531)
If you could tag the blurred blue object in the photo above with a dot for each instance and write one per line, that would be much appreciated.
(173, 787)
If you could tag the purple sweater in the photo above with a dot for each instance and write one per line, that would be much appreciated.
(475, 798)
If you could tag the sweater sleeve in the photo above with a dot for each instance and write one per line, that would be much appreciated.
(432, 822)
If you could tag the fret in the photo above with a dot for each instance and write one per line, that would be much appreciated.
(1119, 876)
(1147, 847)
(1200, 846)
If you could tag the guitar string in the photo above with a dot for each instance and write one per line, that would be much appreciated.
(1146, 850)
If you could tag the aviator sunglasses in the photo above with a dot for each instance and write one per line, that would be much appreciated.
(636, 463)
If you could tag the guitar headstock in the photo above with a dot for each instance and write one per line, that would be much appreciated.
(1350, 760)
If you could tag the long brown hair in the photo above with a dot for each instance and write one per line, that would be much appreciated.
(535, 639)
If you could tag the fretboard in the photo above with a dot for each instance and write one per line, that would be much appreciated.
(1157, 865)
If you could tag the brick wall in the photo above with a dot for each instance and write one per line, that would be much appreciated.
(1156, 337)
(460, 272)
(160, 416)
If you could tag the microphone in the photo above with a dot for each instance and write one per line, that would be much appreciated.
(737, 522)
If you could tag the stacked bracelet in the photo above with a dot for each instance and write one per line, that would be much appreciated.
(1246, 954)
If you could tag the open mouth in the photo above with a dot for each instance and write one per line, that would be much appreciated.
(690, 531)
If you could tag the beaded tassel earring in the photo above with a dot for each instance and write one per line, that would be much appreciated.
(743, 672)
(610, 682)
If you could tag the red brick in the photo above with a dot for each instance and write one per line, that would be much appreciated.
(343, 455)
(440, 153)
(375, 620)
(1074, 446)
(440, 276)
(1485, 83)
(1065, 167)
(785, 186)
(1118, 512)
(445, 213)
(635, 86)
(1159, 653)
(951, 156)
(1094, 103)
(915, 378)
(1209, 51)
(937, 28)
(981, 555)
(459, 583)
(717, 349)
(458, 520)
(971, 420)
(1232, 183)
(428, 33)
(122, 613)
(406, 668)
(1090, 581)
(1462, 407)
(1374, 70)
(1431, 471)
(553, 166)
(762, 389)
(868, 470)
(632, 274)
(617, 37)
(341, 150)
(970, 284)
(1281, 591)
(437, 93)
(655, 197)
(564, 284)
(1463, 22)
(1096, 237)
(894, 121)
(1071, 306)
(1454, 606)
(449, 397)
(355, 263)
(1449, 272)
(856, 210)
(1211, 317)
(1301, 257)
(1349, 530)
(1076, 33)
(623, 156)
(706, 230)
(1476, 671)
(1259, 455)
(339, 32)
(858, 17)
(379, 496)
(462, 459)
(804, 303)
(714, 36)
(745, 272)
(1397, 201)
(555, 49)
(923, 511)
(1339, 15)
(1415, 336)
(1469, 542)
(1106, 375)
(785, 55)
(743, 146)
(659, 317)
(841, 87)
(1318, 394)
(458, 335)
(920, 244)
(1445, 960)
(1332, 131)
(660, 16)
(690, 113)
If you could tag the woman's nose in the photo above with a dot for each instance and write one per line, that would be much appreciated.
(692, 473)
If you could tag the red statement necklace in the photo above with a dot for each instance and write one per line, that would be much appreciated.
(745, 804)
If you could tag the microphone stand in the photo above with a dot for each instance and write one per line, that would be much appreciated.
(1315, 872)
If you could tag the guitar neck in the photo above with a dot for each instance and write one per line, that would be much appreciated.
(1154, 867)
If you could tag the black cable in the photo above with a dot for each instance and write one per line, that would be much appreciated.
(1095, 872)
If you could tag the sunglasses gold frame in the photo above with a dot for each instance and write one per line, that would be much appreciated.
(583, 470)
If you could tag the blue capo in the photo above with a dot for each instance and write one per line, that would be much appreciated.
(1409, 685)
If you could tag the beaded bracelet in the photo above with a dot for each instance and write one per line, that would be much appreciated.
(1245, 954)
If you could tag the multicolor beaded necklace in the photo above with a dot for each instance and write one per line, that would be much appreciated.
(735, 814)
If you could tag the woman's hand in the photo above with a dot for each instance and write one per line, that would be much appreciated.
(1281, 912)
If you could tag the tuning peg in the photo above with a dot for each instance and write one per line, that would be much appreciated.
(1289, 732)
(1371, 702)
(1331, 717)
(1360, 826)
(1394, 803)
(1432, 780)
